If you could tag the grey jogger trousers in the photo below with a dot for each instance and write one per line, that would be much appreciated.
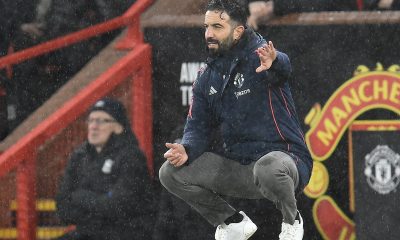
(200, 184)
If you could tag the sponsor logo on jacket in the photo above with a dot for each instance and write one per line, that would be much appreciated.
(241, 93)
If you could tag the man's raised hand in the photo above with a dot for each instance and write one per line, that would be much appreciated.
(267, 55)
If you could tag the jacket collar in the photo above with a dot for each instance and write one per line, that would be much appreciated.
(114, 144)
(249, 42)
(226, 64)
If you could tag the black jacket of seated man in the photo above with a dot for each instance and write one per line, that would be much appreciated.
(107, 194)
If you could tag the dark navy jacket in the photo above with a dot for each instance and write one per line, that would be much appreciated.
(107, 195)
(254, 111)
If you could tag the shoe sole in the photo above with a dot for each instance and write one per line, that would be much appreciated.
(251, 233)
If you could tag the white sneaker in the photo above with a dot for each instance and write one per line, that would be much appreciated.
(236, 231)
(292, 232)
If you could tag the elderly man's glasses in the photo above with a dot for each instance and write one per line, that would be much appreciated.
(99, 121)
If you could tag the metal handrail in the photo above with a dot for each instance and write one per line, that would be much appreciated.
(22, 155)
(130, 17)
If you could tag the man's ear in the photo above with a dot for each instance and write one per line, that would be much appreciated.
(118, 128)
(238, 32)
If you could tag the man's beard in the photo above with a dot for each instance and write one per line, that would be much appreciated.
(223, 46)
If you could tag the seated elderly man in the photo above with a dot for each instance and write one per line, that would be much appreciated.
(104, 191)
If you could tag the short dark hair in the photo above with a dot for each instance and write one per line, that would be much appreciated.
(238, 10)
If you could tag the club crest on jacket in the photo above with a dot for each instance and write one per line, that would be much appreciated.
(107, 166)
(239, 79)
